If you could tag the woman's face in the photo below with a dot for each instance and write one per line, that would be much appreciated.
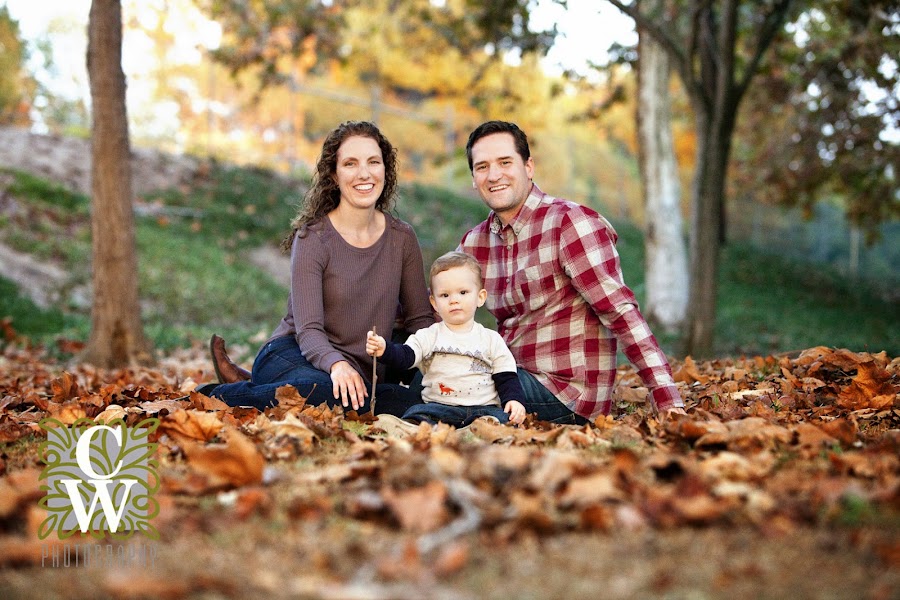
(359, 172)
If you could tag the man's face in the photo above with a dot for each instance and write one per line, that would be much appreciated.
(500, 175)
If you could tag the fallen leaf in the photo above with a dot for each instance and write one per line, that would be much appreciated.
(202, 402)
(65, 387)
(190, 425)
(810, 436)
(688, 373)
(156, 406)
(452, 558)
(234, 463)
(589, 490)
(871, 388)
(419, 509)
(288, 397)
(111, 413)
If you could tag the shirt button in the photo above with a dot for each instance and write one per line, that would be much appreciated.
(509, 247)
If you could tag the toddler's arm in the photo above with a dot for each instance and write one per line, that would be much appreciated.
(511, 394)
(396, 355)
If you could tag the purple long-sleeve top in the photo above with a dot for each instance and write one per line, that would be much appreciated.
(338, 292)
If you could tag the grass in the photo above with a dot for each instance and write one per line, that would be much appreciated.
(769, 304)
(195, 278)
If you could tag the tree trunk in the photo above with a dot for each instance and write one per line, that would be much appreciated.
(117, 335)
(666, 256)
(707, 217)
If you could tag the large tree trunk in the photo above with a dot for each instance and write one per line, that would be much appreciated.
(666, 258)
(117, 335)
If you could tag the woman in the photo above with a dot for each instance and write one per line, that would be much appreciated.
(352, 266)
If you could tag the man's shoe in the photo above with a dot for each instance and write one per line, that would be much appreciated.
(226, 370)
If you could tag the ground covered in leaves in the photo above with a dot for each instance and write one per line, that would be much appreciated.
(782, 480)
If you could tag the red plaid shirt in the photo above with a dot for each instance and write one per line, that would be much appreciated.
(555, 286)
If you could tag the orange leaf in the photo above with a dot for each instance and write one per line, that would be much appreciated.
(184, 425)
(235, 463)
(871, 388)
(688, 372)
(201, 402)
(288, 396)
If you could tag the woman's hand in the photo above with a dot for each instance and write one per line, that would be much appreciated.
(515, 410)
(349, 385)
(375, 344)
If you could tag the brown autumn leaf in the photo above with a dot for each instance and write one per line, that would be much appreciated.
(288, 397)
(17, 489)
(731, 466)
(65, 387)
(871, 388)
(234, 463)
(752, 432)
(531, 510)
(811, 355)
(589, 490)
(451, 559)
(291, 426)
(110, 413)
(69, 412)
(843, 359)
(810, 436)
(253, 500)
(156, 406)
(418, 509)
(688, 373)
(11, 430)
(202, 402)
(190, 425)
(843, 429)
(689, 429)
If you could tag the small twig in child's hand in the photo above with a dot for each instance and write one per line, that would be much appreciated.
(374, 377)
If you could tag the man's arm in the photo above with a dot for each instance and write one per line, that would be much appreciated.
(589, 257)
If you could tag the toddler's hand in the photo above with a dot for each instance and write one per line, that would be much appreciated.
(375, 344)
(515, 410)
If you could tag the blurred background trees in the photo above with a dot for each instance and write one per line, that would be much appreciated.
(813, 140)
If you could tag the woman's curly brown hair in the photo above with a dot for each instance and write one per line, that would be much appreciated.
(324, 195)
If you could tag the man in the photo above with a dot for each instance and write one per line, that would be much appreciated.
(555, 287)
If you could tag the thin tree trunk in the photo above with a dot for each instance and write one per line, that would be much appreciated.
(706, 233)
(666, 256)
(117, 335)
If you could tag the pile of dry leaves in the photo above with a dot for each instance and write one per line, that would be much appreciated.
(772, 443)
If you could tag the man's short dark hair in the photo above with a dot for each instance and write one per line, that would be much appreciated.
(492, 127)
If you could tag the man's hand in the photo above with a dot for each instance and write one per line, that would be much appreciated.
(515, 410)
(375, 344)
(348, 385)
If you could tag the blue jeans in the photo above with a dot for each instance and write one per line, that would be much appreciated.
(540, 400)
(280, 362)
(458, 416)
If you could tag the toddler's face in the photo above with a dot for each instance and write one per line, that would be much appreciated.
(455, 294)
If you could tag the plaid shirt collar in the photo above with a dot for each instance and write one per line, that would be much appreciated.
(523, 217)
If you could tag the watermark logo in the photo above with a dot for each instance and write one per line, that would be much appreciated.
(100, 479)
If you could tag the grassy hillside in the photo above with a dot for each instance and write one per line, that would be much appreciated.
(196, 279)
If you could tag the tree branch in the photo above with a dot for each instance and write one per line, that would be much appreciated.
(767, 33)
(681, 61)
